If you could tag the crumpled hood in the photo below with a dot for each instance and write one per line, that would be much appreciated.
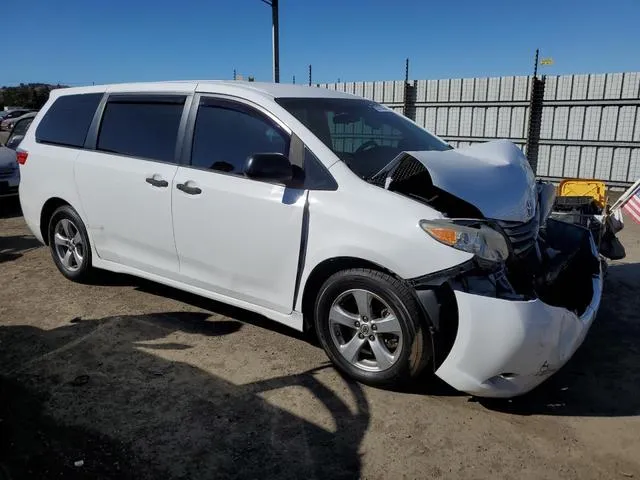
(494, 176)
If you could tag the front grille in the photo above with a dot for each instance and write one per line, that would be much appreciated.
(522, 235)
(407, 168)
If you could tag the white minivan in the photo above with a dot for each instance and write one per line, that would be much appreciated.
(319, 210)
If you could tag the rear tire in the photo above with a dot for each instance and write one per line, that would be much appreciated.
(371, 327)
(69, 244)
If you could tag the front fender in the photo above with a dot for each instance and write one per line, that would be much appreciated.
(384, 230)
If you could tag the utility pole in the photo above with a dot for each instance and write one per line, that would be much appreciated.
(276, 38)
(294, 79)
(309, 75)
(535, 67)
(234, 74)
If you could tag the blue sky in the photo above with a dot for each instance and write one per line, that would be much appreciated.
(83, 41)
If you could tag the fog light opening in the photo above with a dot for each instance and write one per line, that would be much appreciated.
(508, 375)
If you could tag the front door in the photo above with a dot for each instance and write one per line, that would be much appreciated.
(236, 236)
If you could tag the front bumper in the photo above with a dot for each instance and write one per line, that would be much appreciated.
(505, 348)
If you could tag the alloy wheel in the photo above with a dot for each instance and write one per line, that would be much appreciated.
(365, 330)
(69, 245)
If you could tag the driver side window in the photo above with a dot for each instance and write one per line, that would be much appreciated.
(226, 135)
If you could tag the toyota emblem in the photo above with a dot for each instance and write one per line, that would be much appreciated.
(529, 207)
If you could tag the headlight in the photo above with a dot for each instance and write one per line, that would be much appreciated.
(482, 241)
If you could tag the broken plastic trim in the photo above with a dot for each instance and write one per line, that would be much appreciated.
(435, 279)
(562, 277)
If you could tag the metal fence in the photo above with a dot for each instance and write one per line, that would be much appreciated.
(589, 124)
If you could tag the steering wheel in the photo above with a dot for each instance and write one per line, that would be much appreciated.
(368, 145)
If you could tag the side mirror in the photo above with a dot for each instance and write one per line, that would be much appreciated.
(14, 141)
(270, 167)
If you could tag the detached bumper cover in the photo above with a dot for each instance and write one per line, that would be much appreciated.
(505, 348)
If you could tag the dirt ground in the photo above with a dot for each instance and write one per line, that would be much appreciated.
(129, 379)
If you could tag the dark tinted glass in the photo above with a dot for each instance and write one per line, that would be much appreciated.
(15, 114)
(141, 129)
(20, 128)
(67, 121)
(225, 137)
(316, 176)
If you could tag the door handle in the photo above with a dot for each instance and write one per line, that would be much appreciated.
(156, 182)
(189, 189)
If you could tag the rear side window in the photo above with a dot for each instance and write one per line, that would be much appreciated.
(141, 128)
(67, 121)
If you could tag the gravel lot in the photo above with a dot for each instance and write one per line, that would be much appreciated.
(129, 379)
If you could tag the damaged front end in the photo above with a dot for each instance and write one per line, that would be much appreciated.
(489, 191)
(557, 269)
(517, 311)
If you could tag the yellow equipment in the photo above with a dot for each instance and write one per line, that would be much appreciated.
(595, 189)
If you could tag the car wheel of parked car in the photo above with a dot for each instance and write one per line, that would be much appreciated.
(371, 326)
(69, 244)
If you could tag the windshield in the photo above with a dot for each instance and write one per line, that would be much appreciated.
(363, 134)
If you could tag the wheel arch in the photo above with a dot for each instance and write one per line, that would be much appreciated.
(322, 271)
(50, 206)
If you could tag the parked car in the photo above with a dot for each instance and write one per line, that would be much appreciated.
(4, 113)
(319, 210)
(10, 120)
(9, 115)
(9, 171)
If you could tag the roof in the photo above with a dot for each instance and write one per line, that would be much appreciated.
(272, 90)
(277, 90)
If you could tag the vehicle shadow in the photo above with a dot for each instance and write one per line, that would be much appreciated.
(110, 393)
(603, 377)
(34, 445)
(104, 278)
(12, 247)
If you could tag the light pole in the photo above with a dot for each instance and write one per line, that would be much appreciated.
(276, 38)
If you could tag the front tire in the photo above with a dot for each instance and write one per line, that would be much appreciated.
(371, 327)
(69, 244)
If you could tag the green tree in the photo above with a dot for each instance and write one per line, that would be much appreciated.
(32, 95)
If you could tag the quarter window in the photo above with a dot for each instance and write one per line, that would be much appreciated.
(67, 121)
(146, 129)
(225, 136)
